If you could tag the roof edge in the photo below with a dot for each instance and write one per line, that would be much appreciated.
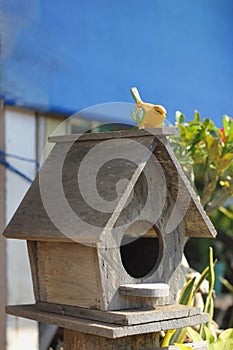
(163, 131)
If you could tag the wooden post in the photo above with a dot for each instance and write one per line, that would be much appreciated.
(74, 340)
(2, 239)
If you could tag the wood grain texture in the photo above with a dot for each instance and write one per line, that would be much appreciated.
(32, 221)
(152, 206)
(74, 340)
(91, 278)
(145, 290)
(122, 317)
(67, 274)
(73, 218)
(198, 223)
(164, 131)
(101, 328)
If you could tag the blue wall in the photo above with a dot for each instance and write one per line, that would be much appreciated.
(66, 55)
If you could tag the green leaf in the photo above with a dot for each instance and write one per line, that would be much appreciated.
(185, 299)
(214, 151)
(194, 335)
(226, 212)
(209, 304)
(225, 340)
(227, 125)
(183, 347)
(167, 338)
(225, 161)
(227, 284)
(179, 336)
(187, 292)
(209, 336)
(211, 266)
(206, 123)
(198, 137)
(180, 118)
(203, 276)
(196, 116)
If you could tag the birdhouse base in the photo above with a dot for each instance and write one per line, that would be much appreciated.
(74, 340)
(114, 324)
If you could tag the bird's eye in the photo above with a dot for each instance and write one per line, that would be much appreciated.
(158, 110)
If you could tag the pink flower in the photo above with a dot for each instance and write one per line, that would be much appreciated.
(222, 136)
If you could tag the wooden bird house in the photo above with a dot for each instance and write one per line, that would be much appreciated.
(106, 221)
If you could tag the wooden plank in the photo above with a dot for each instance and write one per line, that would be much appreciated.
(67, 274)
(143, 205)
(152, 290)
(101, 328)
(156, 209)
(197, 222)
(164, 131)
(74, 340)
(32, 221)
(122, 317)
(72, 216)
(80, 312)
(2, 239)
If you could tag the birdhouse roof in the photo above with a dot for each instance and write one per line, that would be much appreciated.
(62, 204)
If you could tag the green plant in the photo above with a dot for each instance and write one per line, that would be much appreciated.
(188, 293)
(206, 155)
(223, 342)
(227, 284)
(183, 347)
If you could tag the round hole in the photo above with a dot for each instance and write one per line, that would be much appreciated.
(141, 249)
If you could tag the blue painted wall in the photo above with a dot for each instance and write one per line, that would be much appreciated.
(66, 55)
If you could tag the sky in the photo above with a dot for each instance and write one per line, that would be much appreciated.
(77, 54)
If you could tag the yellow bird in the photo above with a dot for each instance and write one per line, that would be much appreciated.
(147, 115)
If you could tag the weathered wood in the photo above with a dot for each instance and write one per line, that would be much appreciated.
(197, 222)
(68, 274)
(55, 212)
(32, 253)
(32, 222)
(101, 328)
(144, 206)
(145, 290)
(164, 131)
(45, 199)
(74, 340)
(122, 317)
